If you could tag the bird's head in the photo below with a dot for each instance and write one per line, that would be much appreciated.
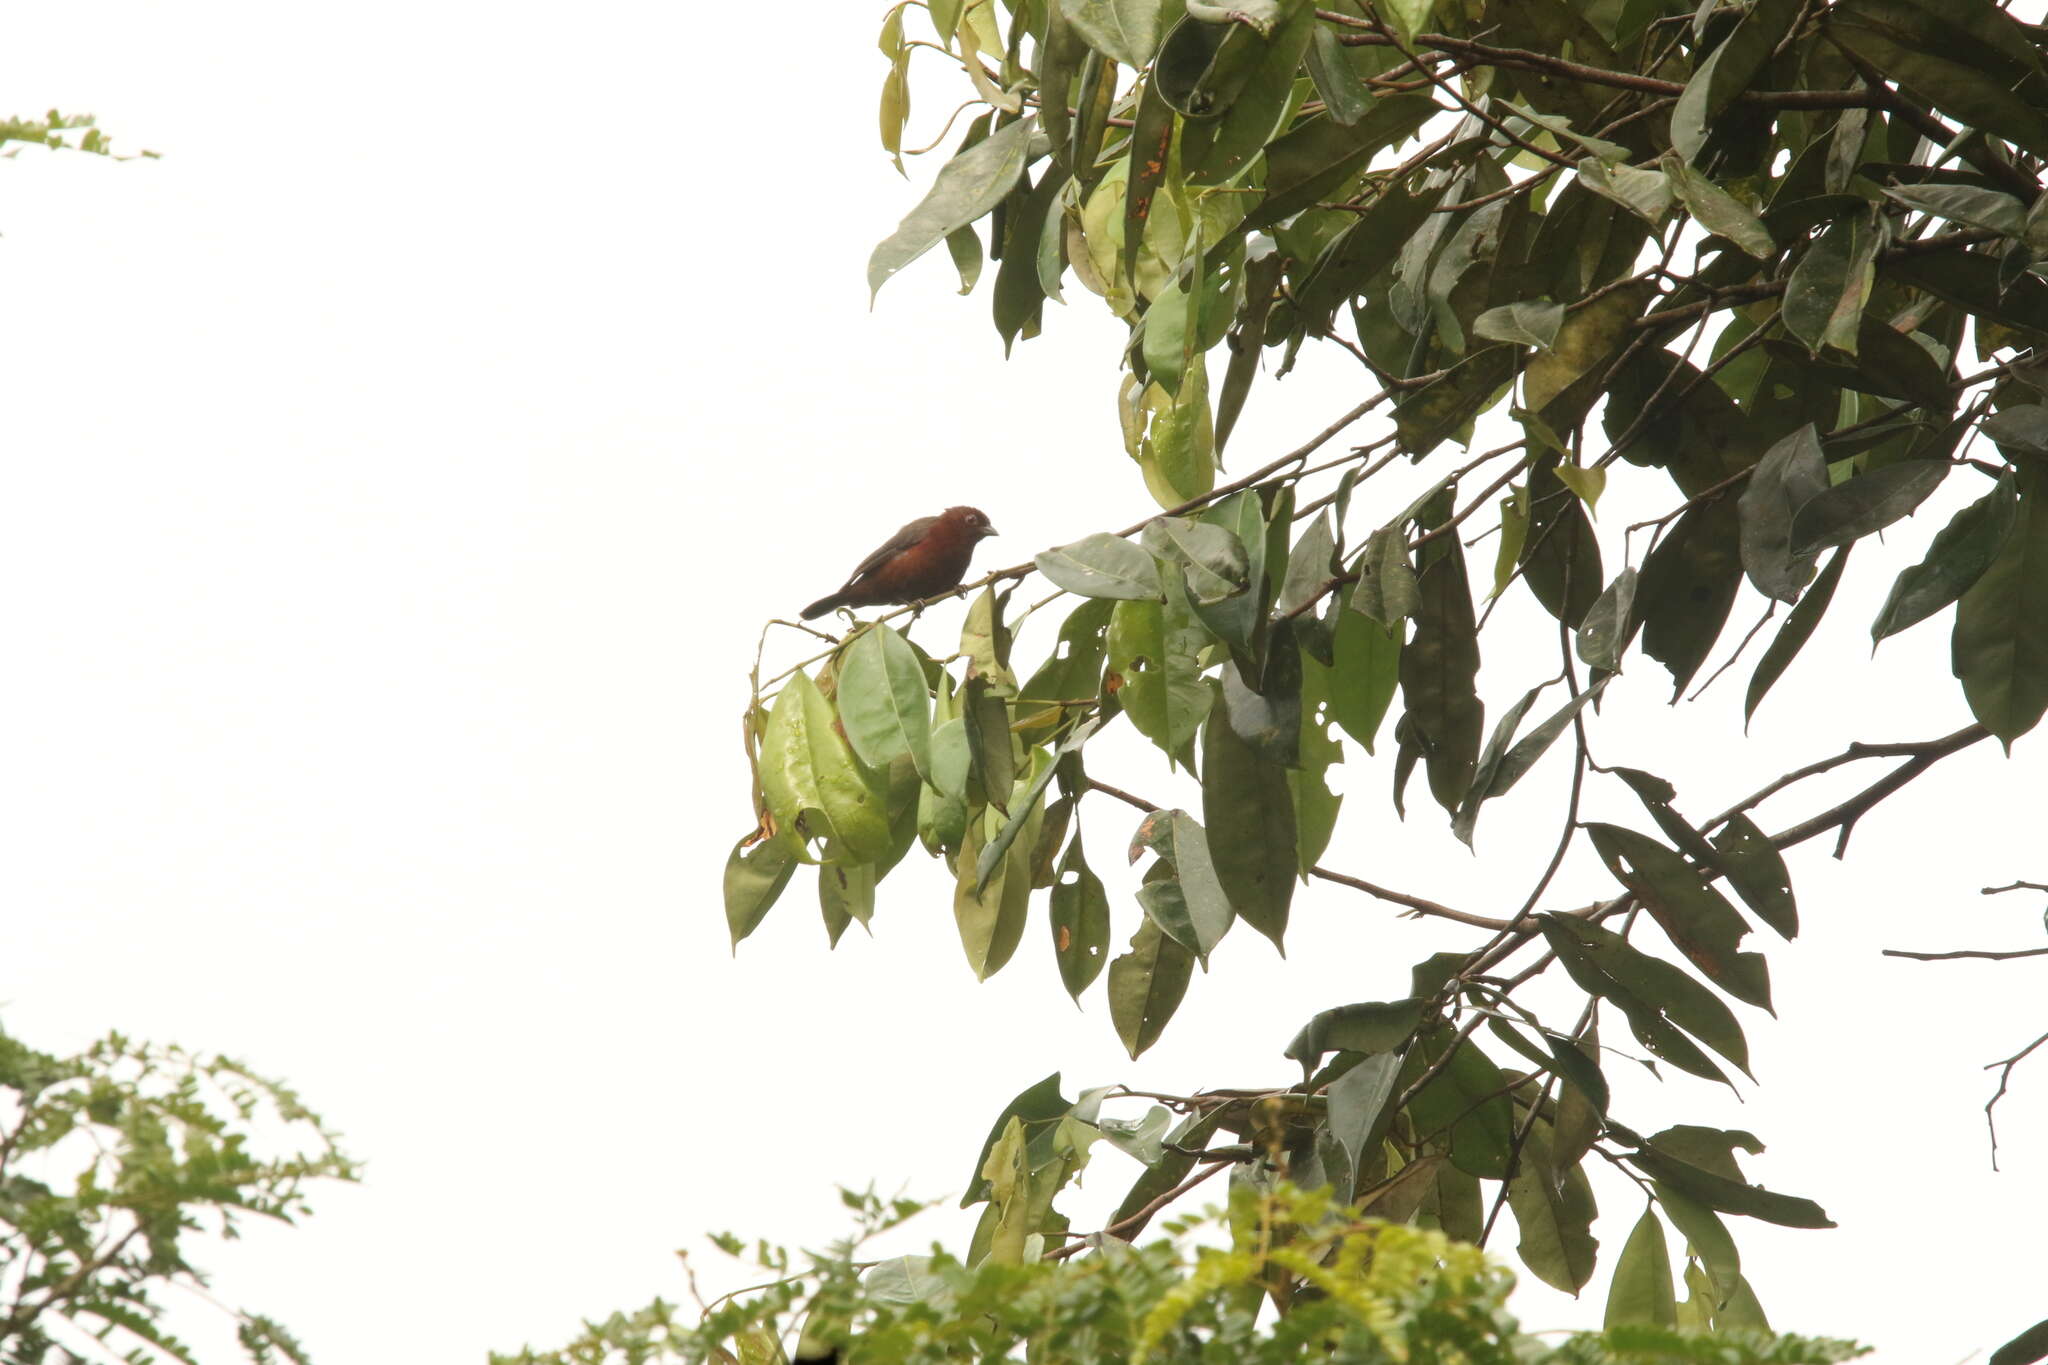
(972, 520)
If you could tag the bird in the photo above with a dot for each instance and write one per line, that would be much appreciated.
(927, 557)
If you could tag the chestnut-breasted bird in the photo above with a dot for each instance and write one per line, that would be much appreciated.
(924, 559)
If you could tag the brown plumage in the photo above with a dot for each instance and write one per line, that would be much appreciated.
(924, 559)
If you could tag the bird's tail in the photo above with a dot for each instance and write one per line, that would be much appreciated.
(823, 605)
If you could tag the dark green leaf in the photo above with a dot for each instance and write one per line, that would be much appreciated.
(1971, 205)
(1730, 1196)
(1026, 801)
(1727, 72)
(1269, 719)
(1468, 1100)
(1758, 874)
(1146, 985)
(1688, 585)
(1706, 1236)
(1039, 1108)
(1153, 656)
(1655, 997)
(2024, 1349)
(1999, 648)
(968, 186)
(1438, 410)
(1438, 668)
(1310, 566)
(1080, 921)
(990, 914)
(1792, 636)
(1318, 154)
(1386, 590)
(1102, 565)
(1555, 1215)
(1697, 918)
(1933, 62)
(1791, 474)
(1561, 559)
(1249, 814)
(1374, 1026)
(1869, 502)
(985, 718)
(1958, 557)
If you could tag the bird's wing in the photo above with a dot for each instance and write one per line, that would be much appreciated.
(895, 545)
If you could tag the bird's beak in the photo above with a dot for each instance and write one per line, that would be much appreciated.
(988, 531)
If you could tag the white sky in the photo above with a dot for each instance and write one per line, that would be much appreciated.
(397, 473)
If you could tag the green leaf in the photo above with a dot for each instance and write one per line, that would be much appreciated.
(1655, 997)
(1825, 295)
(1468, 1100)
(1555, 1215)
(1971, 205)
(1958, 557)
(1177, 452)
(991, 754)
(1358, 1104)
(1373, 1026)
(1758, 874)
(968, 186)
(845, 893)
(1697, 918)
(1999, 648)
(1410, 16)
(1146, 985)
(1318, 154)
(1531, 323)
(1500, 768)
(1039, 1109)
(1729, 1196)
(991, 915)
(1438, 668)
(1792, 473)
(807, 766)
(1387, 589)
(1025, 805)
(1588, 483)
(1249, 816)
(1727, 72)
(2024, 1349)
(753, 879)
(1080, 921)
(1924, 58)
(2022, 427)
(1561, 562)
(1310, 566)
(1642, 1290)
(1102, 565)
(884, 701)
(1073, 672)
(1211, 558)
(1716, 210)
(1124, 31)
(1153, 661)
(1688, 585)
(942, 806)
(1869, 502)
(964, 245)
(1366, 670)
(1187, 901)
(1437, 411)
(1646, 194)
(1608, 624)
(1792, 636)
(1706, 1236)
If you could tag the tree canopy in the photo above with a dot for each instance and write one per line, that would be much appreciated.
(1777, 265)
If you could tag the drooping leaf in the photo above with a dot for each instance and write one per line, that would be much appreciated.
(1358, 1103)
(1146, 985)
(1025, 804)
(1688, 585)
(1999, 648)
(1310, 566)
(1792, 636)
(1555, 1216)
(1080, 921)
(1827, 290)
(991, 753)
(1248, 813)
(990, 914)
(884, 701)
(1729, 1196)
(1757, 872)
(1957, 558)
(1438, 667)
(1656, 998)
(1126, 31)
(807, 766)
(1642, 1290)
(1609, 624)
(1386, 590)
(1153, 662)
(1869, 502)
(967, 187)
(1364, 674)
(1187, 901)
(1467, 1101)
(1697, 918)
(754, 878)
(1792, 473)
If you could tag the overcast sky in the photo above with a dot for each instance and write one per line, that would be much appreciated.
(397, 474)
